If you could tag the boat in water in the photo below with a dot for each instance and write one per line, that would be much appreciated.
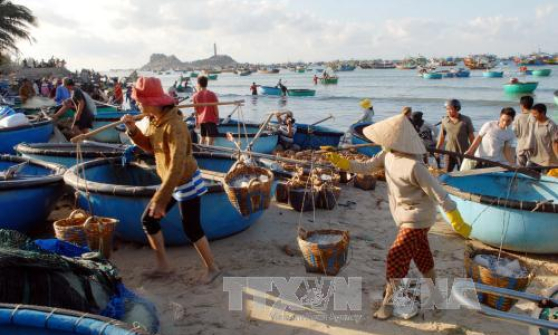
(507, 209)
(346, 68)
(243, 72)
(113, 187)
(65, 154)
(357, 137)
(270, 90)
(244, 134)
(329, 80)
(30, 187)
(521, 88)
(541, 72)
(493, 74)
(268, 71)
(301, 92)
(37, 131)
(432, 75)
(556, 97)
(480, 62)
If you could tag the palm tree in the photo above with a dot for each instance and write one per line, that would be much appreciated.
(15, 21)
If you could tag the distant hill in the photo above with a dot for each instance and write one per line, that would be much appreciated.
(158, 62)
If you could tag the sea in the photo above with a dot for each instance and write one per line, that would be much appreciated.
(388, 89)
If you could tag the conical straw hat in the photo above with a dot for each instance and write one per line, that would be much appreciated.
(396, 133)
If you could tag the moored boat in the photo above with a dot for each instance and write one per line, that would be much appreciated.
(28, 197)
(346, 67)
(493, 74)
(212, 76)
(432, 75)
(357, 137)
(312, 137)
(65, 153)
(112, 187)
(521, 88)
(35, 132)
(541, 72)
(329, 80)
(243, 72)
(508, 209)
(270, 90)
(301, 92)
(265, 144)
(194, 74)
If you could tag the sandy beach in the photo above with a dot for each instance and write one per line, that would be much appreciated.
(269, 248)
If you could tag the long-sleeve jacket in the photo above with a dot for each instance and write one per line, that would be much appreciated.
(169, 140)
(413, 192)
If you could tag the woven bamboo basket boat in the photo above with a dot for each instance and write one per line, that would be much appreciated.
(484, 275)
(325, 258)
(254, 197)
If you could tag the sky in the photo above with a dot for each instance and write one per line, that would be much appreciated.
(122, 34)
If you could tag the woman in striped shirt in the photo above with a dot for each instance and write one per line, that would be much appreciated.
(167, 137)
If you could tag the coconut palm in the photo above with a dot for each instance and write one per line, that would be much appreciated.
(15, 21)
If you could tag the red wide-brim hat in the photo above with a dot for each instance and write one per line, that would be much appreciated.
(148, 91)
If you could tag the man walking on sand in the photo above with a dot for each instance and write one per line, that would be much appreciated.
(207, 117)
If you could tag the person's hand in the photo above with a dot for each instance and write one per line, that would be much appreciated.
(129, 122)
(462, 228)
(157, 210)
(229, 137)
(337, 160)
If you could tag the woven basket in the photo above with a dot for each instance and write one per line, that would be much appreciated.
(328, 259)
(100, 234)
(328, 196)
(365, 182)
(302, 199)
(254, 197)
(72, 229)
(483, 275)
(282, 192)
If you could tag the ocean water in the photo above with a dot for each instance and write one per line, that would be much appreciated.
(481, 98)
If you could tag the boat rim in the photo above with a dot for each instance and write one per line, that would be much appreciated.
(531, 206)
(72, 178)
(56, 177)
(33, 124)
(265, 133)
(354, 132)
(50, 149)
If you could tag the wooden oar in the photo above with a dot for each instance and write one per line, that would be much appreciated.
(522, 170)
(322, 120)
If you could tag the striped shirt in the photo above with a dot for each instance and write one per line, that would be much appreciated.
(194, 188)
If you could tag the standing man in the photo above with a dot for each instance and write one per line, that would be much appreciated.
(207, 117)
(522, 127)
(254, 88)
(84, 106)
(62, 93)
(545, 133)
(26, 91)
(118, 94)
(457, 133)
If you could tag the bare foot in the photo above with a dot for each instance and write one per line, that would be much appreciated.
(209, 276)
(384, 312)
(158, 273)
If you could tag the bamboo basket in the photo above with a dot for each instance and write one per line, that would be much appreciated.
(327, 259)
(327, 196)
(71, 229)
(282, 192)
(365, 182)
(483, 275)
(302, 199)
(253, 198)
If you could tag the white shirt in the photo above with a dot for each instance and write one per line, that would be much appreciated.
(493, 140)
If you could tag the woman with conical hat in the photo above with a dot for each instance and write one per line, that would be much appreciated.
(413, 195)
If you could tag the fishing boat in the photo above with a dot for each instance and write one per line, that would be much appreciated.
(65, 153)
(301, 92)
(407, 64)
(556, 97)
(521, 88)
(243, 72)
(27, 196)
(493, 74)
(432, 75)
(270, 90)
(509, 210)
(480, 62)
(312, 137)
(301, 69)
(245, 133)
(357, 137)
(38, 131)
(212, 76)
(110, 135)
(268, 71)
(112, 187)
(329, 80)
(346, 67)
(541, 72)
(38, 320)
(194, 74)
(462, 73)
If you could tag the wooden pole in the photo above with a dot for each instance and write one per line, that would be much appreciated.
(82, 137)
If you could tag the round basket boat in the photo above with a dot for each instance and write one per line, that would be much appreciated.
(512, 210)
(35, 132)
(123, 193)
(65, 153)
(357, 137)
(36, 320)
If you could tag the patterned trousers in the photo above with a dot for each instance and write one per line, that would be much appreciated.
(410, 244)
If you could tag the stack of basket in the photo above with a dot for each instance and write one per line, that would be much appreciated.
(84, 230)
(249, 188)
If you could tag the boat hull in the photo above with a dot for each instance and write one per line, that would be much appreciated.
(266, 143)
(358, 138)
(295, 92)
(432, 75)
(312, 137)
(65, 153)
(269, 90)
(523, 88)
(496, 223)
(219, 218)
(541, 72)
(33, 197)
(37, 132)
(110, 135)
(329, 81)
(493, 74)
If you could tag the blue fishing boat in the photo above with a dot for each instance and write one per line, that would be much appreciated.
(110, 135)
(432, 75)
(462, 73)
(35, 132)
(512, 210)
(521, 88)
(113, 187)
(29, 195)
(37, 320)
(65, 153)
(493, 74)
(270, 90)
(346, 67)
(312, 137)
(357, 137)
(244, 134)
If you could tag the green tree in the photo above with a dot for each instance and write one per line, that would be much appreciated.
(15, 21)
